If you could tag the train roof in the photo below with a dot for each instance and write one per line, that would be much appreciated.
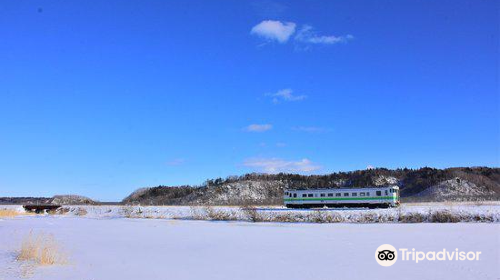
(346, 189)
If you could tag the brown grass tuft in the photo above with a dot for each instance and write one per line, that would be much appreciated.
(251, 214)
(81, 211)
(214, 214)
(62, 211)
(127, 211)
(9, 213)
(411, 217)
(41, 249)
(444, 216)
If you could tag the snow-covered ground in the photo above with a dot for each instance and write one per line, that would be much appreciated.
(120, 248)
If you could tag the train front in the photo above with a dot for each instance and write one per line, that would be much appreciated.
(395, 195)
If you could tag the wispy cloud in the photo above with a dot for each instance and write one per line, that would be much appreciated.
(310, 129)
(276, 165)
(274, 30)
(308, 35)
(176, 161)
(258, 127)
(286, 95)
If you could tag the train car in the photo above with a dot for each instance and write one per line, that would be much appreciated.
(352, 197)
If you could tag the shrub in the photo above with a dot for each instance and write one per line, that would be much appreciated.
(219, 215)
(412, 217)
(369, 217)
(483, 218)
(196, 214)
(286, 217)
(252, 214)
(334, 218)
(444, 216)
(318, 217)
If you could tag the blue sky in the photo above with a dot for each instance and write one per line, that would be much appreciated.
(102, 97)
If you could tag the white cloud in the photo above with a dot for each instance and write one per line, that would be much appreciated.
(258, 127)
(286, 95)
(370, 167)
(274, 30)
(307, 35)
(310, 129)
(276, 165)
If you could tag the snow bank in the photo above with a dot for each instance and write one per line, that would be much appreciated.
(432, 213)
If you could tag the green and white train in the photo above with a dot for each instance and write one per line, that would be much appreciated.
(353, 197)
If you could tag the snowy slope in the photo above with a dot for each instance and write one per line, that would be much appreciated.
(455, 188)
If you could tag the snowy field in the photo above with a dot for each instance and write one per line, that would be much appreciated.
(121, 248)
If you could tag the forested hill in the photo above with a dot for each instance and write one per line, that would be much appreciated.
(425, 184)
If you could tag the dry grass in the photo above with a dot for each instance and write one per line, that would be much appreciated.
(444, 216)
(219, 215)
(81, 211)
(41, 249)
(411, 217)
(9, 213)
(127, 211)
(12, 213)
(196, 214)
(61, 211)
(251, 214)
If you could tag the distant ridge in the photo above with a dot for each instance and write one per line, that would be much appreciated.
(57, 199)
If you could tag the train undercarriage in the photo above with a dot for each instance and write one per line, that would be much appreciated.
(340, 205)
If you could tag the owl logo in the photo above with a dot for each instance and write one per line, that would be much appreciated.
(386, 255)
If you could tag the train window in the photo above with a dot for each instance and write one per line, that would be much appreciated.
(346, 194)
(322, 195)
(386, 192)
(310, 195)
(379, 193)
(330, 194)
(304, 195)
(338, 194)
(361, 194)
(367, 193)
(354, 194)
(294, 195)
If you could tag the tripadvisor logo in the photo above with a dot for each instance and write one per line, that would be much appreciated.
(387, 255)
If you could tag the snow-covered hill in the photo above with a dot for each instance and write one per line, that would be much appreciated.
(422, 184)
(455, 188)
